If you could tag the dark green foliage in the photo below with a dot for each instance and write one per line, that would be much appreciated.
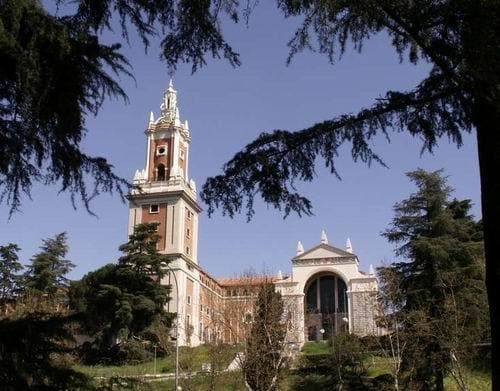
(55, 70)
(264, 350)
(52, 73)
(440, 296)
(341, 369)
(9, 268)
(125, 303)
(440, 33)
(117, 304)
(29, 352)
(48, 269)
(140, 251)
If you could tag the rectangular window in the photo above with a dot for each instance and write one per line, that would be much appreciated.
(154, 208)
(187, 250)
(189, 299)
(188, 233)
(182, 154)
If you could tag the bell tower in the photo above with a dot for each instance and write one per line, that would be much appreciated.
(164, 193)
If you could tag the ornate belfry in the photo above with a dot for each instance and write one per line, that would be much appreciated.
(165, 194)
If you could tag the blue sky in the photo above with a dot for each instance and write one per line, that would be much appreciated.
(227, 108)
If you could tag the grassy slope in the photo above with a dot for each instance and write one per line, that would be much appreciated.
(192, 358)
(377, 365)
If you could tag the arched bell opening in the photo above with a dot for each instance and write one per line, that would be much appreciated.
(161, 173)
(325, 306)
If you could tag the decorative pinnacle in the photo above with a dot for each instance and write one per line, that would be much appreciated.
(151, 117)
(348, 246)
(324, 238)
(371, 270)
(300, 248)
(169, 109)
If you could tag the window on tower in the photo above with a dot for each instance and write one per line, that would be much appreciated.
(160, 172)
(154, 208)
(161, 150)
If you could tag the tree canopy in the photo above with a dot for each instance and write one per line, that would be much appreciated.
(55, 71)
(141, 252)
(440, 298)
(120, 302)
(48, 269)
(9, 271)
(263, 360)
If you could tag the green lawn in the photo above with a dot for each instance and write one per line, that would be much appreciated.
(191, 360)
(313, 348)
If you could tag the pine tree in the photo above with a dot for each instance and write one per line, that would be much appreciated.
(122, 302)
(141, 253)
(48, 269)
(442, 251)
(9, 268)
(264, 350)
(32, 350)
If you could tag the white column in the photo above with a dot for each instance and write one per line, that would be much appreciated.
(174, 171)
(148, 158)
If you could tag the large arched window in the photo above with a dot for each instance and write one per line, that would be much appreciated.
(160, 176)
(325, 306)
(326, 294)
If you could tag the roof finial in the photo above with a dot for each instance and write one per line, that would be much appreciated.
(348, 245)
(371, 270)
(324, 238)
(300, 248)
(170, 84)
(151, 117)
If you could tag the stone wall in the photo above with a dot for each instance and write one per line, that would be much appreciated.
(363, 313)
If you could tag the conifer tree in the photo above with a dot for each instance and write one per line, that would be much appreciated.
(48, 269)
(125, 301)
(9, 268)
(141, 253)
(441, 247)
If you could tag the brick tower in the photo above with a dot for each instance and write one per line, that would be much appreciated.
(167, 196)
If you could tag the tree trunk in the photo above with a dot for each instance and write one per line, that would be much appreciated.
(488, 140)
(439, 381)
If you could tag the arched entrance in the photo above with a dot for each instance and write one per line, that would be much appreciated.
(325, 306)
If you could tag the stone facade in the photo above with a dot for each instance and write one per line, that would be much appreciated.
(324, 294)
